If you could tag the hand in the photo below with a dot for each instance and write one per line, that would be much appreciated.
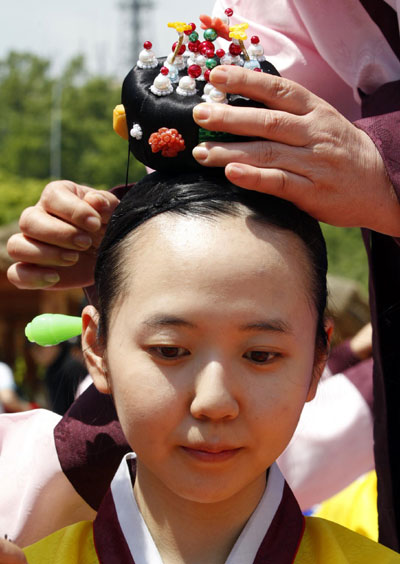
(59, 235)
(10, 553)
(307, 153)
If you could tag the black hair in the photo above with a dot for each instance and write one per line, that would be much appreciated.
(207, 194)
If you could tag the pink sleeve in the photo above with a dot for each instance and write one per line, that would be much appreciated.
(36, 498)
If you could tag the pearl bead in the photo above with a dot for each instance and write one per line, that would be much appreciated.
(187, 86)
(145, 56)
(162, 82)
(216, 95)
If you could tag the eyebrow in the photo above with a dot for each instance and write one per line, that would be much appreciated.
(272, 325)
(156, 321)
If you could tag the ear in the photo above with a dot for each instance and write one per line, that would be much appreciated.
(93, 351)
(320, 360)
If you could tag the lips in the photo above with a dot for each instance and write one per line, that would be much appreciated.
(211, 453)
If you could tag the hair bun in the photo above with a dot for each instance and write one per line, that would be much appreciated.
(146, 113)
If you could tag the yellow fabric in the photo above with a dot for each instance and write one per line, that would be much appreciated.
(325, 542)
(72, 545)
(355, 507)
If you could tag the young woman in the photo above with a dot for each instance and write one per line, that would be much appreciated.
(210, 337)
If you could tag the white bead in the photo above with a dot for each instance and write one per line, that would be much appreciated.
(256, 51)
(226, 59)
(147, 59)
(136, 131)
(217, 96)
(207, 89)
(162, 82)
(187, 86)
(161, 85)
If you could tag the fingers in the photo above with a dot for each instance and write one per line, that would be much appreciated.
(280, 183)
(255, 122)
(256, 153)
(273, 91)
(103, 202)
(27, 276)
(23, 249)
(37, 224)
(65, 200)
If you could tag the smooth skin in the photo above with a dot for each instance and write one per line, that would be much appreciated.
(210, 361)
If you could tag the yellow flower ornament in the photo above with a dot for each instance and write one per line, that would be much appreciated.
(180, 26)
(238, 31)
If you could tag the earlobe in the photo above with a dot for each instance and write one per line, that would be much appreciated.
(320, 360)
(92, 350)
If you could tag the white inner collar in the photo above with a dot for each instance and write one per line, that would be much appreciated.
(140, 541)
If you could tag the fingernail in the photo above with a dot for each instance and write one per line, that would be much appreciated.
(219, 75)
(234, 171)
(200, 153)
(93, 223)
(201, 112)
(70, 256)
(83, 241)
(51, 278)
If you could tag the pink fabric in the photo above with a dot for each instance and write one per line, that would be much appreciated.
(332, 445)
(331, 48)
(36, 497)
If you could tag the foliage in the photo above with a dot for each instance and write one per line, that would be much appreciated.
(17, 194)
(32, 102)
(346, 253)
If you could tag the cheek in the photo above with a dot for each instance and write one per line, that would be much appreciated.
(147, 407)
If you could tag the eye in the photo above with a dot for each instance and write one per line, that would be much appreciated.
(261, 357)
(169, 353)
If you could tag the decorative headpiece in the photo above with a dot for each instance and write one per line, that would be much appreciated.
(159, 94)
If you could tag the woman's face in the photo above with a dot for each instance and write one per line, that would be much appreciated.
(210, 352)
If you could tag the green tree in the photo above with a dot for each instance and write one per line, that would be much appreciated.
(91, 152)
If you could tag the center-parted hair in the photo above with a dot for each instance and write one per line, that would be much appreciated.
(205, 194)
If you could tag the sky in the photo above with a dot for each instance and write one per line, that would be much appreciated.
(100, 29)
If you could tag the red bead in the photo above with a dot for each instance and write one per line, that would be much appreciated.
(193, 46)
(235, 49)
(209, 53)
(147, 45)
(189, 31)
(229, 12)
(207, 75)
(164, 71)
(182, 48)
(194, 71)
(205, 46)
(220, 53)
(255, 39)
(257, 69)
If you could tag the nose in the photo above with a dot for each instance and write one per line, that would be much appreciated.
(214, 396)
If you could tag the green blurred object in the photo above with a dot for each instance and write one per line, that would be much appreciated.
(53, 328)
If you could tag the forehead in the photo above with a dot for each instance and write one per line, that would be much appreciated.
(221, 253)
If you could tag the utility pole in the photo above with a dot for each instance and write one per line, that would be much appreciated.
(136, 9)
